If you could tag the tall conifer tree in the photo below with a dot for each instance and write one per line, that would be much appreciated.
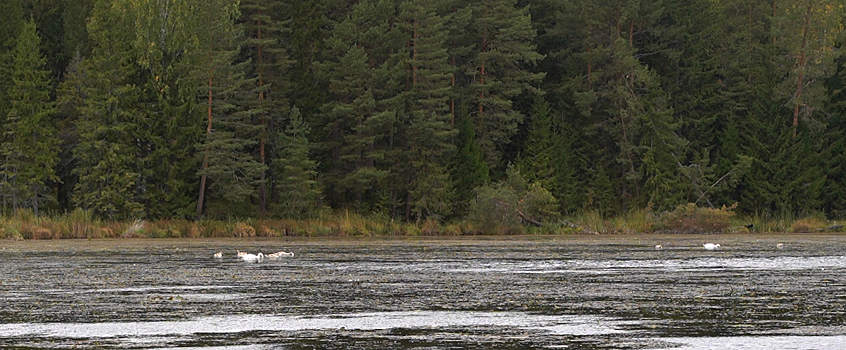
(12, 17)
(469, 169)
(229, 170)
(423, 112)
(30, 148)
(536, 159)
(505, 51)
(297, 188)
(107, 167)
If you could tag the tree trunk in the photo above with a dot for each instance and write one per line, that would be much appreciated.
(205, 152)
(262, 132)
(482, 71)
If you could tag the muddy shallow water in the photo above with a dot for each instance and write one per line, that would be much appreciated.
(553, 292)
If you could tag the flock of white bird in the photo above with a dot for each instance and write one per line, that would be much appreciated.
(249, 257)
(282, 254)
(712, 246)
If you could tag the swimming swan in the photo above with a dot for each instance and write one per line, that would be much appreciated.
(659, 247)
(280, 254)
(253, 257)
(218, 255)
(711, 246)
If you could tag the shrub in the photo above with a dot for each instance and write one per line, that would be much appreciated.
(506, 207)
(809, 225)
(691, 219)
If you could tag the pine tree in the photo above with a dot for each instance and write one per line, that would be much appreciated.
(806, 31)
(297, 187)
(30, 151)
(266, 28)
(504, 52)
(231, 173)
(423, 112)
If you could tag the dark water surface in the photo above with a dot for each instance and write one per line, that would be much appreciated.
(550, 292)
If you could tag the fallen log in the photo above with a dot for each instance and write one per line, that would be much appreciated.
(528, 219)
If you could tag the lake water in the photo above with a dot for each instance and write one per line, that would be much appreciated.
(542, 292)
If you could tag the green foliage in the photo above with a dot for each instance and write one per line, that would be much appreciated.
(30, 150)
(12, 17)
(469, 169)
(351, 119)
(106, 161)
(297, 188)
(506, 207)
(500, 70)
(232, 172)
(423, 113)
(630, 106)
(537, 158)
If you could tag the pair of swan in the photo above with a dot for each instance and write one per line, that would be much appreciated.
(260, 256)
(257, 257)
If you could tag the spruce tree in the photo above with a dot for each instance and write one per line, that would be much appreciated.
(834, 154)
(359, 117)
(12, 17)
(71, 99)
(75, 33)
(537, 158)
(30, 147)
(297, 187)
(164, 41)
(469, 169)
(106, 157)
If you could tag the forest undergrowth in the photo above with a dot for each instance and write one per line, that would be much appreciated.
(685, 219)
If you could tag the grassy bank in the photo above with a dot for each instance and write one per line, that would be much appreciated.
(80, 224)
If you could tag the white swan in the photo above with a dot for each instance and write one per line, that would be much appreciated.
(280, 254)
(218, 255)
(253, 257)
(780, 246)
(711, 246)
(658, 247)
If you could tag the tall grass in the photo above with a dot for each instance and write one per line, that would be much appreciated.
(82, 224)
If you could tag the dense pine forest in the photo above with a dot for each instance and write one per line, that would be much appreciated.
(421, 110)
